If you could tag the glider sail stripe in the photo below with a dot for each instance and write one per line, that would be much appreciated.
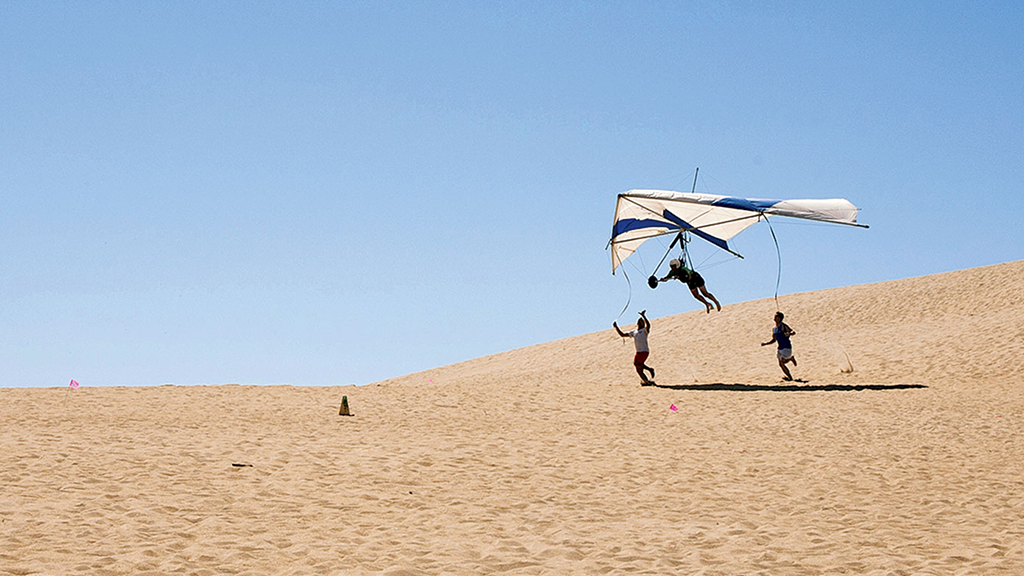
(696, 231)
(630, 224)
(744, 204)
(644, 214)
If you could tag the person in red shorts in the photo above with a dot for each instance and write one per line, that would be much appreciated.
(639, 336)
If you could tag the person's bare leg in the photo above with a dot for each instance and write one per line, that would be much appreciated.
(702, 301)
(640, 371)
(704, 290)
(782, 364)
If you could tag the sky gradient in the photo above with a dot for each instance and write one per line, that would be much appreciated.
(338, 193)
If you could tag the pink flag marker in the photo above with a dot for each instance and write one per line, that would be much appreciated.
(673, 408)
(74, 385)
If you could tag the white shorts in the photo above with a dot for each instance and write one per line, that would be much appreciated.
(784, 353)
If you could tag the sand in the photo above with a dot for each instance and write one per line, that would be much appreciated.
(553, 460)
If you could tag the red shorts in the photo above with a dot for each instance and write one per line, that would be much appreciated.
(640, 358)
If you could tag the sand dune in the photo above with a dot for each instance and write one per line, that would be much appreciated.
(553, 460)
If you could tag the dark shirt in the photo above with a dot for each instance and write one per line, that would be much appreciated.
(689, 277)
(779, 332)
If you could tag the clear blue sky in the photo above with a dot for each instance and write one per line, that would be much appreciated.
(342, 192)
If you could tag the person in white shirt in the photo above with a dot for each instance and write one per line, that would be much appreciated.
(639, 336)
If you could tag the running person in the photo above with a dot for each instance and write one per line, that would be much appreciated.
(693, 280)
(639, 336)
(781, 334)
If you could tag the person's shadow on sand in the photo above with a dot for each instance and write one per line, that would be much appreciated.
(795, 387)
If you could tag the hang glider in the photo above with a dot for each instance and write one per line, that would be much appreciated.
(644, 214)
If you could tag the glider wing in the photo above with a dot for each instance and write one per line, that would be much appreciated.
(644, 214)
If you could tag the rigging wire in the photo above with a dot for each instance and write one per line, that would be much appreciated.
(778, 255)
(629, 295)
(703, 265)
(639, 268)
(669, 251)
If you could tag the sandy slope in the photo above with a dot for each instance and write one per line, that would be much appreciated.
(551, 459)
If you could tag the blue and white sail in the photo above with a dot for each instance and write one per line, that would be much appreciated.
(644, 214)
